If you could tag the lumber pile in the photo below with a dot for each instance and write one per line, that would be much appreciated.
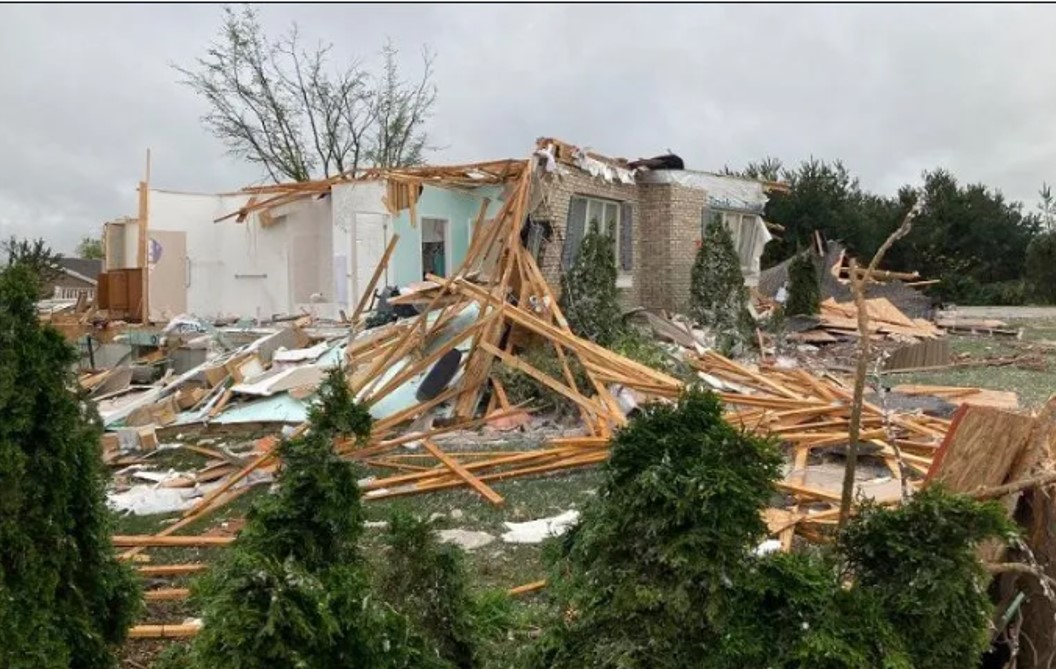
(810, 413)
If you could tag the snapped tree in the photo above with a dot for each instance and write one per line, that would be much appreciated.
(282, 106)
(589, 298)
(65, 600)
(718, 297)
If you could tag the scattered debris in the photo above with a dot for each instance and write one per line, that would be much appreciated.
(537, 531)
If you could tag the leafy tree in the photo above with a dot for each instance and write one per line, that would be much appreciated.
(1041, 267)
(90, 248)
(804, 287)
(767, 169)
(282, 106)
(589, 298)
(65, 600)
(717, 294)
(662, 570)
(38, 257)
(294, 591)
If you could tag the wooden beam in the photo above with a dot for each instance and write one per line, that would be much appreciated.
(155, 541)
(365, 296)
(526, 588)
(174, 631)
(171, 569)
(166, 594)
(463, 473)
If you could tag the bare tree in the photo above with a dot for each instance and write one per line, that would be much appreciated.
(284, 107)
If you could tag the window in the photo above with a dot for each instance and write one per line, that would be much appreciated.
(612, 218)
(744, 229)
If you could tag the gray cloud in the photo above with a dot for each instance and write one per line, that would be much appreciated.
(892, 90)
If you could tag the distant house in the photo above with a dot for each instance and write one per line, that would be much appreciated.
(76, 277)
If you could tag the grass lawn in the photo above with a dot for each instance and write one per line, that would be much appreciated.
(1033, 386)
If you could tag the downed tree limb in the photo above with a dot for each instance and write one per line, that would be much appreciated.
(1039, 481)
(1020, 568)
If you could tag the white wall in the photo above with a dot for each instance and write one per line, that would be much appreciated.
(243, 269)
(361, 229)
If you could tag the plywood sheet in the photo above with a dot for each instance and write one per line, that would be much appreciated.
(982, 448)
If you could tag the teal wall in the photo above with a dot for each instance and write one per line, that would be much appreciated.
(458, 208)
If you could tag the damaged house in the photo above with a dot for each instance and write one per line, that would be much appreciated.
(298, 248)
(313, 247)
(657, 215)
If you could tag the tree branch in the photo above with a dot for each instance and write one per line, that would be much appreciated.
(859, 282)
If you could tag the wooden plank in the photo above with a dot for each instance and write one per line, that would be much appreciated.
(174, 631)
(526, 588)
(365, 296)
(463, 473)
(166, 594)
(171, 569)
(155, 541)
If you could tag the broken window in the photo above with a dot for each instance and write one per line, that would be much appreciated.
(613, 218)
(434, 246)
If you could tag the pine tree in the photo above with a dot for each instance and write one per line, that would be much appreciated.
(804, 288)
(589, 298)
(718, 297)
(1041, 267)
(294, 589)
(65, 600)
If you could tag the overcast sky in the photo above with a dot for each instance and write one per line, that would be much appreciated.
(892, 90)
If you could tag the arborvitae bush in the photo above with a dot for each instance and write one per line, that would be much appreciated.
(921, 565)
(718, 298)
(294, 590)
(589, 298)
(677, 512)
(662, 569)
(804, 287)
(1041, 267)
(65, 600)
(426, 581)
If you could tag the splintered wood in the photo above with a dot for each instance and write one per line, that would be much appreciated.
(808, 413)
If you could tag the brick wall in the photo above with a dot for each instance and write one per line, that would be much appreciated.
(557, 189)
(666, 234)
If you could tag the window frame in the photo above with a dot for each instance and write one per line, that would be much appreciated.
(594, 202)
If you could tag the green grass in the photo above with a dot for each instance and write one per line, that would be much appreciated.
(1033, 387)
